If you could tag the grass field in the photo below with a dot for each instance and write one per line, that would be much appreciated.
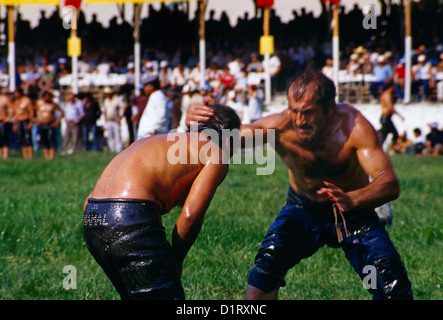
(41, 233)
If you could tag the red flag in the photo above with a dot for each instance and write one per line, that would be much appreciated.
(265, 3)
(332, 1)
(75, 3)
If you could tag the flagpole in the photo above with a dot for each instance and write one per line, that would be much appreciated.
(335, 49)
(11, 48)
(408, 41)
(137, 49)
(202, 43)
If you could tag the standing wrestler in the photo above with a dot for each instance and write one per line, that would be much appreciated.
(47, 123)
(387, 111)
(23, 121)
(122, 221)
(331, 151)
(6, 113)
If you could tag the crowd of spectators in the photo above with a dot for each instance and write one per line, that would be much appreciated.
(113, 117)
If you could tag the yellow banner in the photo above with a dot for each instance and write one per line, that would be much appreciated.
(26, 2)
(74, 47)
(266, 45)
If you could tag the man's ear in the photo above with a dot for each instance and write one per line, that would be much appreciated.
(331, 108)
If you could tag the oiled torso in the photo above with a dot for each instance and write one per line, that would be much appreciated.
(332, 158)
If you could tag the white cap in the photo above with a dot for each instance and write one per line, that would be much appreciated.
(163, 64)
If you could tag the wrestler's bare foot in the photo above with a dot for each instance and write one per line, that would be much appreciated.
(253, 293)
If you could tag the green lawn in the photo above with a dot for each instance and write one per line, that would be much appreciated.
(41, 233)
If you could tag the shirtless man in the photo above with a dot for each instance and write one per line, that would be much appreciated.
(331, 151)
(23, 121)
(387, 111)
(47, 123)
(6, 113)
(123, 214)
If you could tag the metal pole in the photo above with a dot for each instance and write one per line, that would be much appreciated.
(266, 32)
(74, 56)
(11, 48)
(335, 49)
(408, 45)
(137, 49)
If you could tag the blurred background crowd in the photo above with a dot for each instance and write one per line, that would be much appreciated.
(109, 114)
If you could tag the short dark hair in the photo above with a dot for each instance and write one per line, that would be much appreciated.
(154, 82)
(224, 118)
(324, 87)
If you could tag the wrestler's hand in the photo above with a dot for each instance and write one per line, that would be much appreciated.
(198, 112)
(335, 194)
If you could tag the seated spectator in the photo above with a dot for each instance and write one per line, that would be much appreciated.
(227, 78)
(399, 78)
(164, 75)
(422, 77)
(194, 78)
(179, 77)
(104, 67)
(418, 143)
(255, 64)
(401, 144)
(328, 69)
(434, 141)
(150, 74)
(439, 69)
(383, 74)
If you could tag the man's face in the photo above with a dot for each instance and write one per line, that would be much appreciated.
(47, 97)
(148, 88)
(308, 118)
(16, 95)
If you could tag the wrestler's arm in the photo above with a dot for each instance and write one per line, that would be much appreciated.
(189, 223)
(376, 164)
(60, 115)
(10, 110)
(32, 112)
(199, 112)
(262, 128)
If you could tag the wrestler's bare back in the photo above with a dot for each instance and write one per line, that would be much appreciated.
(143, 171)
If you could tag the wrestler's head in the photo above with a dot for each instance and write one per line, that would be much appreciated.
(311, 102)
(224, 119)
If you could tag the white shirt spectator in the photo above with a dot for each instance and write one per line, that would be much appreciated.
(179, 76)
(155, 117)
(274, 65)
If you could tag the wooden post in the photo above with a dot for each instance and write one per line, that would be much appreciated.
(202, 42)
